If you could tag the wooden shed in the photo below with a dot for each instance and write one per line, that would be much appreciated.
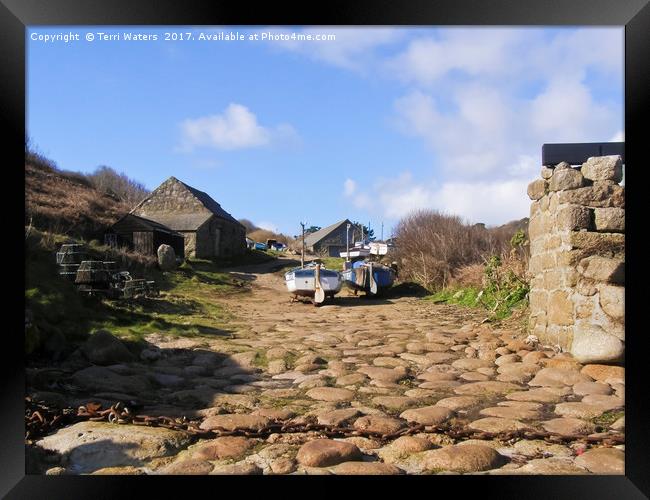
(144, 236)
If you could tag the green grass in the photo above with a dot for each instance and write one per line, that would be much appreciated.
(608, 418)
(467, 297)
(499, 304)
(260, 359)
(189, 303)
(335, 263)
(290, 360)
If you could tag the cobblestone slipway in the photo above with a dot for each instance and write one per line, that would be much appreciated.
(369, 364)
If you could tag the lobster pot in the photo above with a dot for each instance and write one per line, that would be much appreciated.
(71, 254)
(134, 288)
(69, 271)
(92, 273)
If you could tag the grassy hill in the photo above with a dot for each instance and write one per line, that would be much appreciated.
(65, 207)
(66, 202)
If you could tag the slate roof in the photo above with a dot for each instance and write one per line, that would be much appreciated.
(210, 204)
(183, 222)
(313, 238)
(132, 222)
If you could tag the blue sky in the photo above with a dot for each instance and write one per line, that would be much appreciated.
(369, 126)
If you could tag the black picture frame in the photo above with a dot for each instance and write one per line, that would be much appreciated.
(16, 15)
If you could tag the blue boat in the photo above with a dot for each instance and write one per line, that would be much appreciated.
(370, 277)
(260, 246)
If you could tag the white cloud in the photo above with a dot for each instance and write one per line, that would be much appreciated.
(353, 48)
(483, 101)
(485, 131)
(490, 202)
(566, 112)
(519, 54)
(478, 136)
(475, 51)
(349, 187)
(235, 128)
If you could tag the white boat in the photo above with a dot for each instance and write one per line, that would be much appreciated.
(313, 281)
(355, 253)
(377, 248)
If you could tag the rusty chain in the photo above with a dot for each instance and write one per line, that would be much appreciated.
(41, 420)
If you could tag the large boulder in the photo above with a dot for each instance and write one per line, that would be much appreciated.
(592, 344)
(166, 258)
(88, 446)
(326, 452)
(566, 178)
(537, 189)
(603, 168)
(103, 348)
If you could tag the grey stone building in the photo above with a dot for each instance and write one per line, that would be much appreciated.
(209, 230)
(331, 239)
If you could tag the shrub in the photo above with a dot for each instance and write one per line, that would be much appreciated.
(432, 245)
(504, 288)
(499, 285)
(107, 180)
(261, 235)
(249, 225)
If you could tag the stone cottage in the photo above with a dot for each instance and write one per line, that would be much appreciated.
(331, 240)
(209, 230)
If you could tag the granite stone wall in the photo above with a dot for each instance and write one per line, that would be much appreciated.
(577, 262)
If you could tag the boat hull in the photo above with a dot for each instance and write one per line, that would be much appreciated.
(358, 278)
(302, 282)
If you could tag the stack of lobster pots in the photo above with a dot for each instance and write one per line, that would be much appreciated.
(93, 276)
(69, 258)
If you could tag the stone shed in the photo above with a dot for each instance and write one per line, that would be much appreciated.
(143, 236)
(331, 240)
(577, 259)
(209, 230)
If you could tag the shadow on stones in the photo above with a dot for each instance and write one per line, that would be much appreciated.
(359, 300)
(96, 455)
(407, 289)
(176, 382)
(181, 382)
(243, 276)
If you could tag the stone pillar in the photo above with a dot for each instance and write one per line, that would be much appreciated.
(577, 259)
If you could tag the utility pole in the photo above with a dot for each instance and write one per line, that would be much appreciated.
(302, 254)
(382, 231)
(347, 242)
